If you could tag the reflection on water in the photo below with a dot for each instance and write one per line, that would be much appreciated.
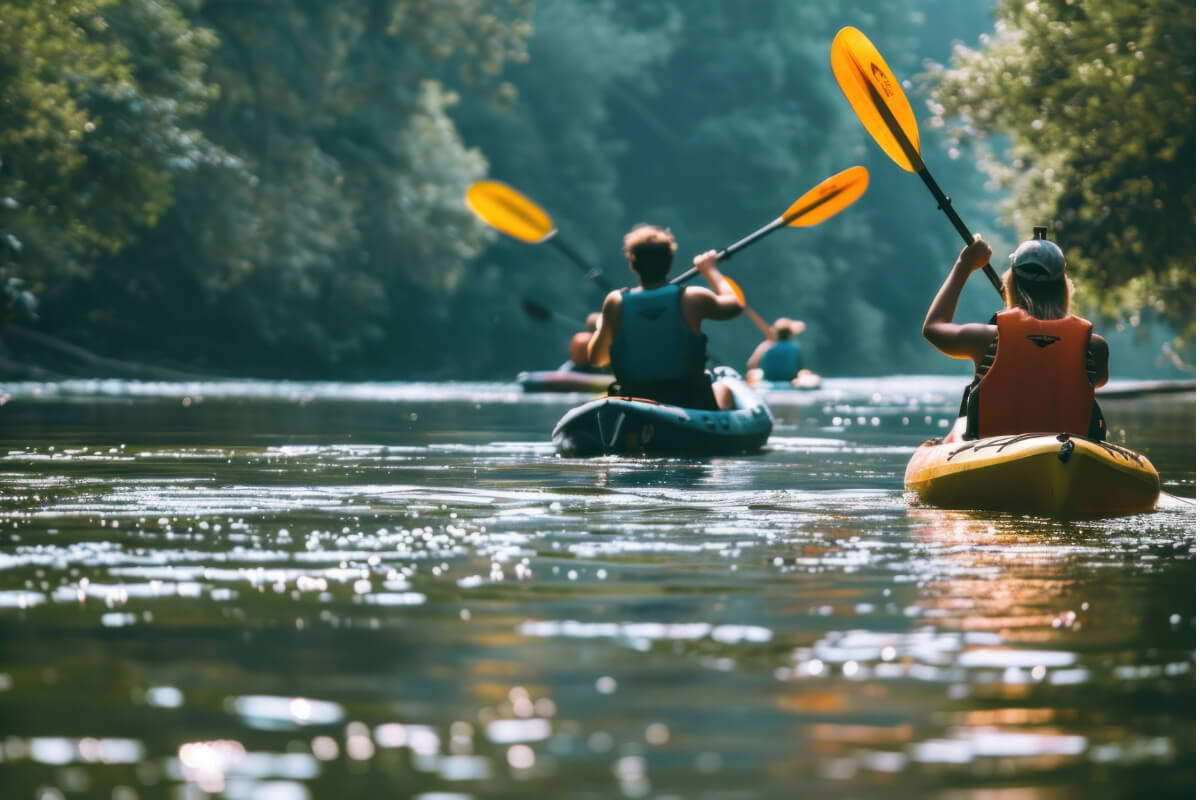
(302, 591)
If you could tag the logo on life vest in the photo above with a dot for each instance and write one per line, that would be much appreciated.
(1042, 339)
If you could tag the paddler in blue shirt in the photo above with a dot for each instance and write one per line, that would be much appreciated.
(779, 357)
(651, 334)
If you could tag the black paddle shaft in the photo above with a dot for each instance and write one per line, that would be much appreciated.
(541, 313)
(733, 248)
(593, 274)
(956, 221)
(913, 154)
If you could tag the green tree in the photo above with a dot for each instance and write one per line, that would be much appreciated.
(92, 142)
(1098, 106)
(340, 209)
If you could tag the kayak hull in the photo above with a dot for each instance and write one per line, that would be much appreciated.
(562, 380)
(634, 426)
(1048, 474)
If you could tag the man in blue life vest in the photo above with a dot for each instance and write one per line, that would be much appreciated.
(651, 334)
(779, 357)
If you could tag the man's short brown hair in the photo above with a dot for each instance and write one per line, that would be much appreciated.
(650, 251)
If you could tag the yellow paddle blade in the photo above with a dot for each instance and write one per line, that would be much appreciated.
(876, 97)
(509, 211)
(828, 198)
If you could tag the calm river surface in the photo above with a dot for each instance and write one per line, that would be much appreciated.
(286, 591)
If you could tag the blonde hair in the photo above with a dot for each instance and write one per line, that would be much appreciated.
(650, 251)
(1041, 299)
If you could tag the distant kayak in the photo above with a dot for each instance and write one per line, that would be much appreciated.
(805, 381)
(564, 380)
(1119, 389)
(632, 426)
(1040, 473)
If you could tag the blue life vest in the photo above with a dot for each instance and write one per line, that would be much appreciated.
(782, 361)
(654, 343)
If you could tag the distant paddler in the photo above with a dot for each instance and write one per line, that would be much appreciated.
(779, 358)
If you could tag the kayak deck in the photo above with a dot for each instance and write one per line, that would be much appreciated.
(635, 426)
(1043, 473)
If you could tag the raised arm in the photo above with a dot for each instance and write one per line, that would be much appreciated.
(610, 317)
(757, 355)
(960, 341)
(725, 304)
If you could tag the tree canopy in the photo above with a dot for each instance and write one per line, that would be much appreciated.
(1097, 105)
(276, 188)
(98, 101)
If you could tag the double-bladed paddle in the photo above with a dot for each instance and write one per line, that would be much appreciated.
(879, 101)
(510, 212)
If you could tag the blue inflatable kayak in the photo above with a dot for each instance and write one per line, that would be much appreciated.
(633, 426)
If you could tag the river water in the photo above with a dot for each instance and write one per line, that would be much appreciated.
(285, 591)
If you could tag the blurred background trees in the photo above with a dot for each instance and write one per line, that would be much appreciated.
(275, 188)
(1096, 103)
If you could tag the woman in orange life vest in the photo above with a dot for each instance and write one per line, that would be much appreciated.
(1036, 364)
(651, 334)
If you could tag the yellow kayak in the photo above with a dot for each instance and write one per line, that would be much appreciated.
(1035, 473)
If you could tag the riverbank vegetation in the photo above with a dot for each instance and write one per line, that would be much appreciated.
(275, 189)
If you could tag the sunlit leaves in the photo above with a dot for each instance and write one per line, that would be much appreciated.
(1097, 101)
(96, 97)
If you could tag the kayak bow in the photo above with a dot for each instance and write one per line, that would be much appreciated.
(1039, 473)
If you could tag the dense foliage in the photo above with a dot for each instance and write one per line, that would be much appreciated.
(275, 188)
(251, 183)
(97, 101)
(1097, 103)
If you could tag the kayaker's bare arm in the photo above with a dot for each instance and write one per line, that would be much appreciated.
(610, 318)
(940, 329)
(1098, 349)
(577, 350)
(757, 355)
(724, 304)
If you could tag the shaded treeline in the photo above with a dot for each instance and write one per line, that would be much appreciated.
(275, 187)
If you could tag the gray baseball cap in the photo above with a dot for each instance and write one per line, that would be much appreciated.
(1038, 259)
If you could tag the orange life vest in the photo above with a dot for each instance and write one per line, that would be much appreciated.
(1038, 382)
